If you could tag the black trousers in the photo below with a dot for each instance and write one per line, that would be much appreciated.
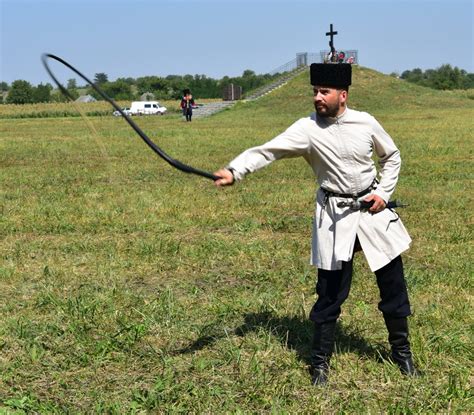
(333, 288)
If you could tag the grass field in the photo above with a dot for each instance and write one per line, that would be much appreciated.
(129, 287)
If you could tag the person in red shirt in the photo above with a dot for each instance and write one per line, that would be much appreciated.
(187, 104)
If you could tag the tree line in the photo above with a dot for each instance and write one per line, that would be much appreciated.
(445, 77)
(169, 87)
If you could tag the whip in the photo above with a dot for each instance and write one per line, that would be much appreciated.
(173, 162)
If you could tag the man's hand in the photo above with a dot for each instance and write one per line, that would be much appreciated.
(226, 178)
(379, 203)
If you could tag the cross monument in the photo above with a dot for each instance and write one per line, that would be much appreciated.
(331, 41)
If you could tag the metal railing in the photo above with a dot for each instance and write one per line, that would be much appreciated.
(286, 67)
(306, 59)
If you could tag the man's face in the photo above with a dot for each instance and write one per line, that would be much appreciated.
(329, 102)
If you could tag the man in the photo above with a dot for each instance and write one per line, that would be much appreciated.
(338, 144)
(187, 104)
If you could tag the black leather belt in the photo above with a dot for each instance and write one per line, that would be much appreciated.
(328, 193)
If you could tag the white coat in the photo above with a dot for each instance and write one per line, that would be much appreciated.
(339, 150)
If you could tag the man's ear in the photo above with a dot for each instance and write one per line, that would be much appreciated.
(343, 96)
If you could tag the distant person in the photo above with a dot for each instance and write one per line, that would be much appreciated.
(338, 143)
(187, 105)
(350, 60)
(341, 57)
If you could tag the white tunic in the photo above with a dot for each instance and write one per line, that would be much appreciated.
(339, 150)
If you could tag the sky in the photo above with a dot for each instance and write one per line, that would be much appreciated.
(133, 38)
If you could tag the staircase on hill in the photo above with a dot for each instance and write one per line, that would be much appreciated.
(214, 107)
(276, 84)
(208, 109)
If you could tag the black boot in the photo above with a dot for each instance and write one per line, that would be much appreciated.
(398, 339)
(321, 351)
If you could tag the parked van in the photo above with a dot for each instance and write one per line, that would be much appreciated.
(147, 108)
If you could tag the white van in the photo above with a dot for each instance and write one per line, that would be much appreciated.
(147, 108)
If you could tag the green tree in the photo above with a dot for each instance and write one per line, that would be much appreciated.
(447, 77)
(71, 84)
(72, 88)
(444, 77)
(118, 90)
(42, 93)
(74, 93)
(21, 92)
(128, 80)
(415, 75)
(100, 78)
(469, 81)
(3, 86)
(176, 85)
(154, 84)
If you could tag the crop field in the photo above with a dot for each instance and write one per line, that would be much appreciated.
(127, 286)
(67, 109)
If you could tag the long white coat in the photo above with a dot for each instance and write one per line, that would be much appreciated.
(339, 151)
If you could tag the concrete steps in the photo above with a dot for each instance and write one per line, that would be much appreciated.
(211, 108)
(276, 84)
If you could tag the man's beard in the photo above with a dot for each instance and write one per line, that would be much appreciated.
(328, 110)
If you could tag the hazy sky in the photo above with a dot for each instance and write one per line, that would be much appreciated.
(132, 38)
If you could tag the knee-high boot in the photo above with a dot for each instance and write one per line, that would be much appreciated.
(398, 339)
(321, 351)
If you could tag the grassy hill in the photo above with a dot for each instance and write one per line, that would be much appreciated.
(128, 287)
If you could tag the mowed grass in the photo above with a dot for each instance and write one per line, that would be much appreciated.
(129, 287)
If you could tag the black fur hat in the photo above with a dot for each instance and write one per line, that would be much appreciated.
(331, 74)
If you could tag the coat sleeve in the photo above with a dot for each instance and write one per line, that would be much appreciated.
(389, 160)
(293, 142)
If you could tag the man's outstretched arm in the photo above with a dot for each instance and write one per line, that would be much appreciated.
(293, 142)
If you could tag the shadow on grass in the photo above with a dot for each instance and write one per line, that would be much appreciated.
(293, 332)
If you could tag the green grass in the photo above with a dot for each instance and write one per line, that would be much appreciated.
(129, 287)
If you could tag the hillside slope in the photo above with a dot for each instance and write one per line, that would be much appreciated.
(371, 91)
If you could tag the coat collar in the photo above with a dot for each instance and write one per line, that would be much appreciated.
(338, 119)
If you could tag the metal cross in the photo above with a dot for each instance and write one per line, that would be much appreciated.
(331, 33)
